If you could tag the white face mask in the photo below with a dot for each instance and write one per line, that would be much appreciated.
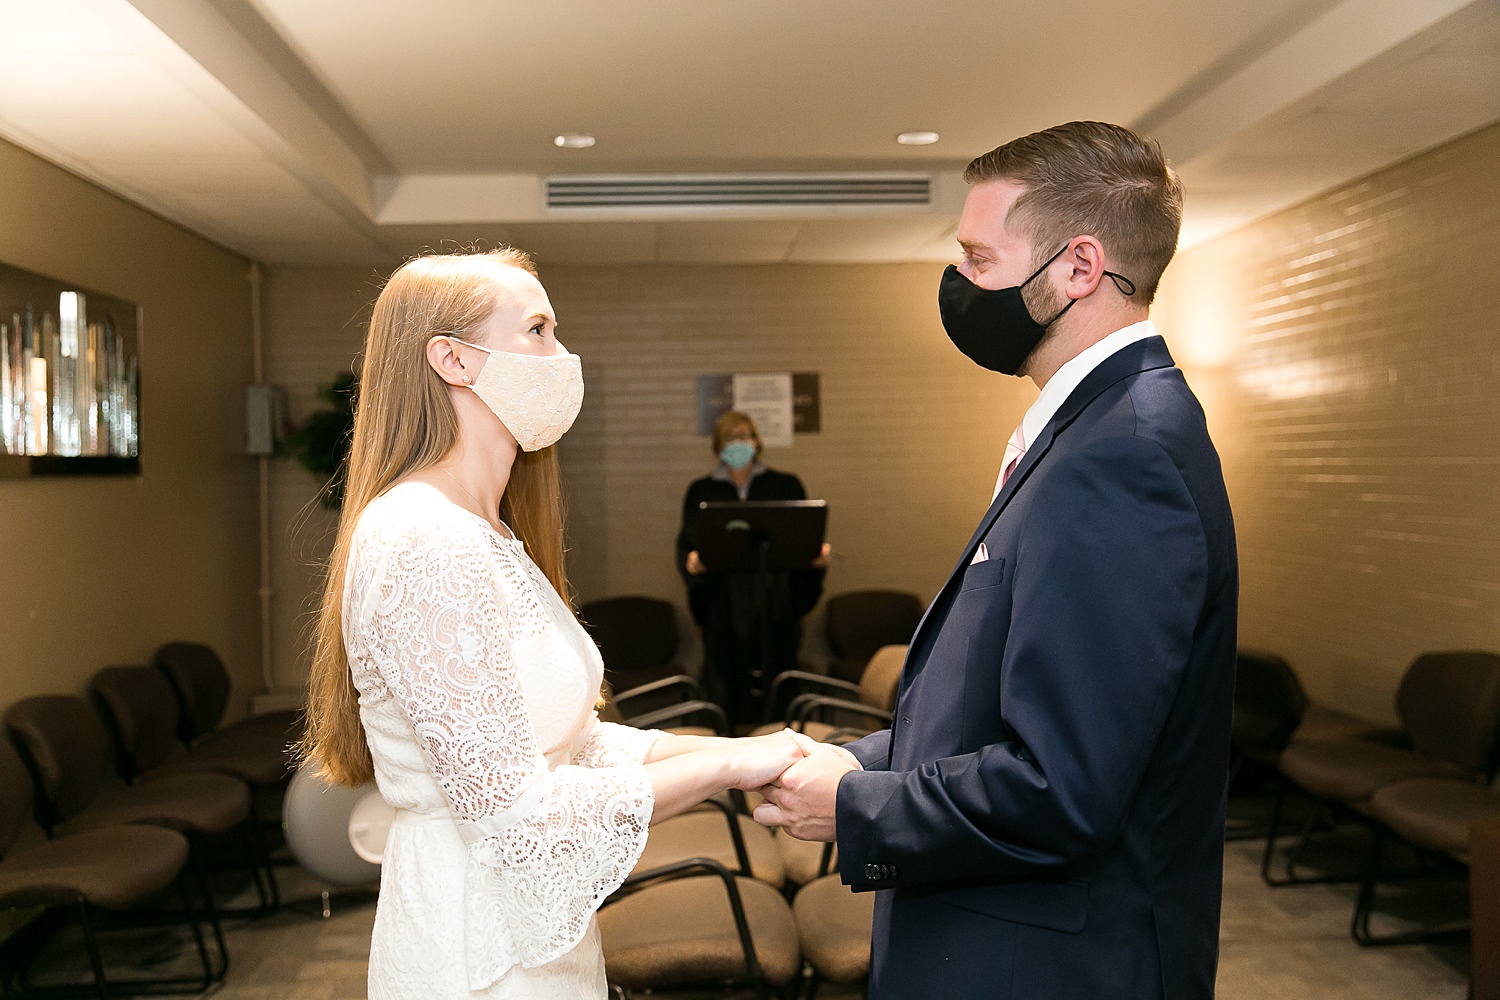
(537, 398)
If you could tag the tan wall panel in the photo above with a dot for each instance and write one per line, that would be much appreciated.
(102, 570)
(1348, 351)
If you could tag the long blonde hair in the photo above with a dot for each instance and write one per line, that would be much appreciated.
(404, 422)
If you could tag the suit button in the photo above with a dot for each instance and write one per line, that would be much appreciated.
(890, 871)
(873, 872)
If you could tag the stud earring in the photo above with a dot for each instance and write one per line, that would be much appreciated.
(466, 379)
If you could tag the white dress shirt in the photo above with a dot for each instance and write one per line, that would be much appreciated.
(1061, 385)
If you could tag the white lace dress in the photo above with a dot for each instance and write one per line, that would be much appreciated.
(518, 810)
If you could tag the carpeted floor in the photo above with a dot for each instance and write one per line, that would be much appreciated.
(1278, 944)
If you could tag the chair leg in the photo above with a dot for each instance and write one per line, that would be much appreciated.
(91, 944)
(1273, 828)
(18, 982)
(263, 870)
(1365, 905)
(1304, 837)
(1364, 900)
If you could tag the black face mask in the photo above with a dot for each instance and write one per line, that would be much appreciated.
(993, 327)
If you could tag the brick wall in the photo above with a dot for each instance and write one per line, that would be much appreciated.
(1348, 351)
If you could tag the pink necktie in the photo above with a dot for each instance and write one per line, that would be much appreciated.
(1014, 449)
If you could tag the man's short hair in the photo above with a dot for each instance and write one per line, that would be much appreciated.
(1094, 179)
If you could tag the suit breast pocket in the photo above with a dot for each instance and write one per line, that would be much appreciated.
(977, 576)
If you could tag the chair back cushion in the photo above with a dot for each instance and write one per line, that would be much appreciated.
(142, 707)
(16, 794)
(632, 632)
(882, 676)
(1268, 703)
(858, 622)
(69, 748)
(1449, 704)
(201, 682)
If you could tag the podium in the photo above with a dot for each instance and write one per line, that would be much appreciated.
(761, 537)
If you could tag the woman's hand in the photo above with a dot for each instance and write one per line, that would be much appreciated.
(758, 760)
(825, 556)
(695, 565)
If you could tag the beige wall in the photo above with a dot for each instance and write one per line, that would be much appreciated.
(1349, 353)
(98, 571)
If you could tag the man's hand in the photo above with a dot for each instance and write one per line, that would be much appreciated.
(802, 800)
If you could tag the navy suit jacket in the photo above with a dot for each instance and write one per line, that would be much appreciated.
(1045, 817)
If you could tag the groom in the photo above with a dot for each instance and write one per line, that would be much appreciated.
(1045, 816)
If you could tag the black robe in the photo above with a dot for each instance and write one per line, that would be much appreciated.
(726, 605)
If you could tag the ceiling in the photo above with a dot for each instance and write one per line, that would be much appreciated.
(362, 131)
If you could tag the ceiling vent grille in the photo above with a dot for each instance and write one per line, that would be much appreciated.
(737, 191)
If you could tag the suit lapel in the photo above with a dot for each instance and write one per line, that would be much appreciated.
(1143, 355)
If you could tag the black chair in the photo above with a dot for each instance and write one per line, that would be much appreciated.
(203, 684)
(680, 707)
(1433, 817)
(858, 622)
(822, 705)
(66, 746)
(1449, 707)
(1268, 707)
(1269, 704)
(143, 714)
(637, 637)
(104, 878)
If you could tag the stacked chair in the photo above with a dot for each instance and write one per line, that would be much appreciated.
(1427, 793)
(697, 923)
(258, 746)
(139, 792)
(105, 877)
(67, 747)
(716, 898)
(833, 927)
(820, 706)
(144, 715)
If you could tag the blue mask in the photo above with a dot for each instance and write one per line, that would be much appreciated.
(738, 454)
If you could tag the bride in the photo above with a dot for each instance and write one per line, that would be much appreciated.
(450, 669)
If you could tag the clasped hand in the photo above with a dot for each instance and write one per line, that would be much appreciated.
(802, 799)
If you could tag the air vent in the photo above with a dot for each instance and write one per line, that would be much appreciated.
(747, 191)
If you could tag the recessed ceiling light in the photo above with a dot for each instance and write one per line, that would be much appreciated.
(917, 138)
(573, 140)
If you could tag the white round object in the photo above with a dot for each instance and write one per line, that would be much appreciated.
(370, 825)
(316, 817)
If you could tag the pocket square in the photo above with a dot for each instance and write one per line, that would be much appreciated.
(983, 555)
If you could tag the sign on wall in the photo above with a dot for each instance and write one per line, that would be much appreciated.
(782, 404)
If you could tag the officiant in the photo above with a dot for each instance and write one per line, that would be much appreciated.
(727, 605)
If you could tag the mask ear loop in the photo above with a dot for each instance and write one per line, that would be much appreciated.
(1124, 284)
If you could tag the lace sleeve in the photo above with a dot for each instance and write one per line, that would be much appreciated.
(544, 846)
(610, 744)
